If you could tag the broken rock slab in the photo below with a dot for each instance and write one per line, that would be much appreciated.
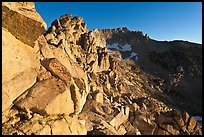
(76, 126)
(144, 126)
(22, 20)
(16, 56)
(15, 87)
(98, 96)
(49, 96)
(120, 118)
(79, 91)
(58, 70)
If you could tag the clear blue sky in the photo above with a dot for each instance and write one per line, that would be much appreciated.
(160, 20)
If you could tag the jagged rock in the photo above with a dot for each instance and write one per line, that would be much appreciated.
(9, 113)
(110, 130)
(130, 129)
(64, 19)
(33, 129)
(98, 96)
(65, 28)
(22, 21)
(70, 83)
(47, 97)
(57, 70)
(16, 86)
(60, 127)
(97, 108)
(79, 91)
(55, 25)
(75, 126)
(174, 121)
(144, 126)
(103, 59)
(185, 117)
(191, 125)
(170, 129)
(120, 118)
(121, 130)
(43, 74)
(107, 109)
(26, 9)
(52, 52)
(162, 132)
(16, 56)
(134, 107)
(165, 119)
(99, 39)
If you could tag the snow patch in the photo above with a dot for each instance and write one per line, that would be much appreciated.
(198, 118)
(111, 51)
(133, 54)
(126, 47)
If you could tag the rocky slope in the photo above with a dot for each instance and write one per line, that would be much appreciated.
(65, 81)
(177, 63)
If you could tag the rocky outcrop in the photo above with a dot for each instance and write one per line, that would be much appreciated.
(19, 63)
(178, 63)
(176, 122)
(120, 118)
(47, 97)
(69, 83)
(47, 125)
(83, 47)
(22, 20)
(15, 87)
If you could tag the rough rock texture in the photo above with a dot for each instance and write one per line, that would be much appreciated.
(18, 69)
(69, 83)
(49, 96)
(22, 20)
(19, 55)
(175, 67)
(16, 86)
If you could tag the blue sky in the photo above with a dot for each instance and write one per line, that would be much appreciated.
(160, 20)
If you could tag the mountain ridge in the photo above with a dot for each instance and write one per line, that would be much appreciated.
(69, 83)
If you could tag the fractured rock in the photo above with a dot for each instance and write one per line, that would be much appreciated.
(170, 129)
(78, 94)
(49, 96)
(191, 124)
(27, 26)
(130, 129)
(121, 130)
(98, 96)
(97, 108)
(75, 126)
(58, 70)
(16, 86)
(107, 110)
(16, 56)
(146, 128)
(120, 118)
(60, 127)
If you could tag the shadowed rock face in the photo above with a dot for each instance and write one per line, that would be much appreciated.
(69, 83)
(177, 63)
